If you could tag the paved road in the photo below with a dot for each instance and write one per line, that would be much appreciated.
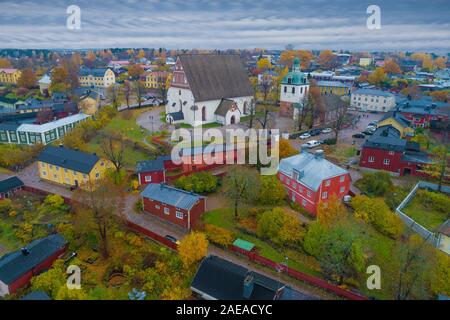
(151, 120)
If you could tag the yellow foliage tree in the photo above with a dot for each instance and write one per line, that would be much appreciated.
(264, 64)
(331, 211)
(193, 248)
(286, 149)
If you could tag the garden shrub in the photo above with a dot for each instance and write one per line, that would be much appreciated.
(201, 182)
(376, 184)
(218, 235)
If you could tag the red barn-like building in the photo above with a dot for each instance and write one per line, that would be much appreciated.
(17, 268)
(182, 208)
(385, 150)
(151, 171)
(310, 179)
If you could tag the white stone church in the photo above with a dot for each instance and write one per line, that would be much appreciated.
(208, 88)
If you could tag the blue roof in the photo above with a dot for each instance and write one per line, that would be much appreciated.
(98, 72)
(374, 92)
(15, 264)
(176, 116)
(9, 184)
(171, 196)
(69, 158)
(425, 105)
(312, 169)
(36, 295)
(150, 165)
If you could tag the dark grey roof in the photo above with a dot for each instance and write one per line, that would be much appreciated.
(424, 105)
(223, 280)
(9, 184)
(398, 117)
(176, 116)
(150, 165)
(36, 295)
(386, 138)
(171, 196)
(215, 76)
(416, 157)
(374, 92)
(98, 72)
(224, 106)
(13, 265)
(9, 126)
(69, 158)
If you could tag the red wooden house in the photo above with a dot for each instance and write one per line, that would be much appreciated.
(310, 179)
(182, 208)
(17, 268)
(385, 150)
(10, 186)
(424, 113)
(151, 171)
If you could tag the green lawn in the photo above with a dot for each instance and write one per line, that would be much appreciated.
(421, 209)
(297, 260)
(132, 156)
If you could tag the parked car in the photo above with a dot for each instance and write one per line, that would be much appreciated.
(312, 144)
(368, 132)
(304, 136)
(326, 130)
(371, 128)
(172, 239)
(359, 136)
(315, 132)
(373, 124)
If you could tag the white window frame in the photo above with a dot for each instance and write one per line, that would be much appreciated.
(148, 178)
(179, 215)
(166, 210)
(324, 195)
(371, 159)
(386, 161)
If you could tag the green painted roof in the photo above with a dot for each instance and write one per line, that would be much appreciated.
(295, 76)
(245, 245)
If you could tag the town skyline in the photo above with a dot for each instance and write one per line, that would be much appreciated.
(217, 25)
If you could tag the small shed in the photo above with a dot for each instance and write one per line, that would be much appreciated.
(244, 246)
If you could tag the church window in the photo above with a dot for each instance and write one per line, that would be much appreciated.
(293, 89)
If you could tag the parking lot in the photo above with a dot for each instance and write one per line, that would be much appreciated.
(345, 135)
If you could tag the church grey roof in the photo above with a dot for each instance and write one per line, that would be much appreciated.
(312, 169)
(374, 92)
(223, 107)
(216, 76)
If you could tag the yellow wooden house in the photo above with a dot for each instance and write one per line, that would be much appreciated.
(397, 121)
(71, 167)
(334, 87)
(9, 75)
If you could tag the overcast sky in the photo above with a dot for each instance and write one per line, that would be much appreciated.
(221, 24)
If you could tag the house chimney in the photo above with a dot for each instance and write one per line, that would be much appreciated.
(25, 251)
(318, 154)
(248, 286)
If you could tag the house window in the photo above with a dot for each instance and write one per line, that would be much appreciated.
(308, 193)
(341, 178)
(285, 89)
(97, 175)
(294, 185)
(324, 195)
(342, 189)
(304, 202)
(371, 159)
(179, 215)
(157, 207)
(166, 210)
(386, 161)
(204, 114)
(44, 173)
(391, 153)
(327, 183)
(148, 179)
(293, 89)
(179, 92)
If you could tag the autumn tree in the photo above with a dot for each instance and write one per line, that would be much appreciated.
(440, 62)
(286, 149)
(305, 57)
(98, 209)
(27, 79)
(193, 248)
(139, 91)
(441, 95)
(338, 250)
(59, 78)
(135, 71)
(272, 191)
(280, 227)
(5, 63)
(440, 168)
(114, 95)
(391, 67)
(264, 64)
(327, 59)
(378, 77)
(331, 211)
(241, 185)
(127, 92)
(114, 150)
(339, 115)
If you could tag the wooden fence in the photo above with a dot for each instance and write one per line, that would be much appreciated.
(317, 282)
